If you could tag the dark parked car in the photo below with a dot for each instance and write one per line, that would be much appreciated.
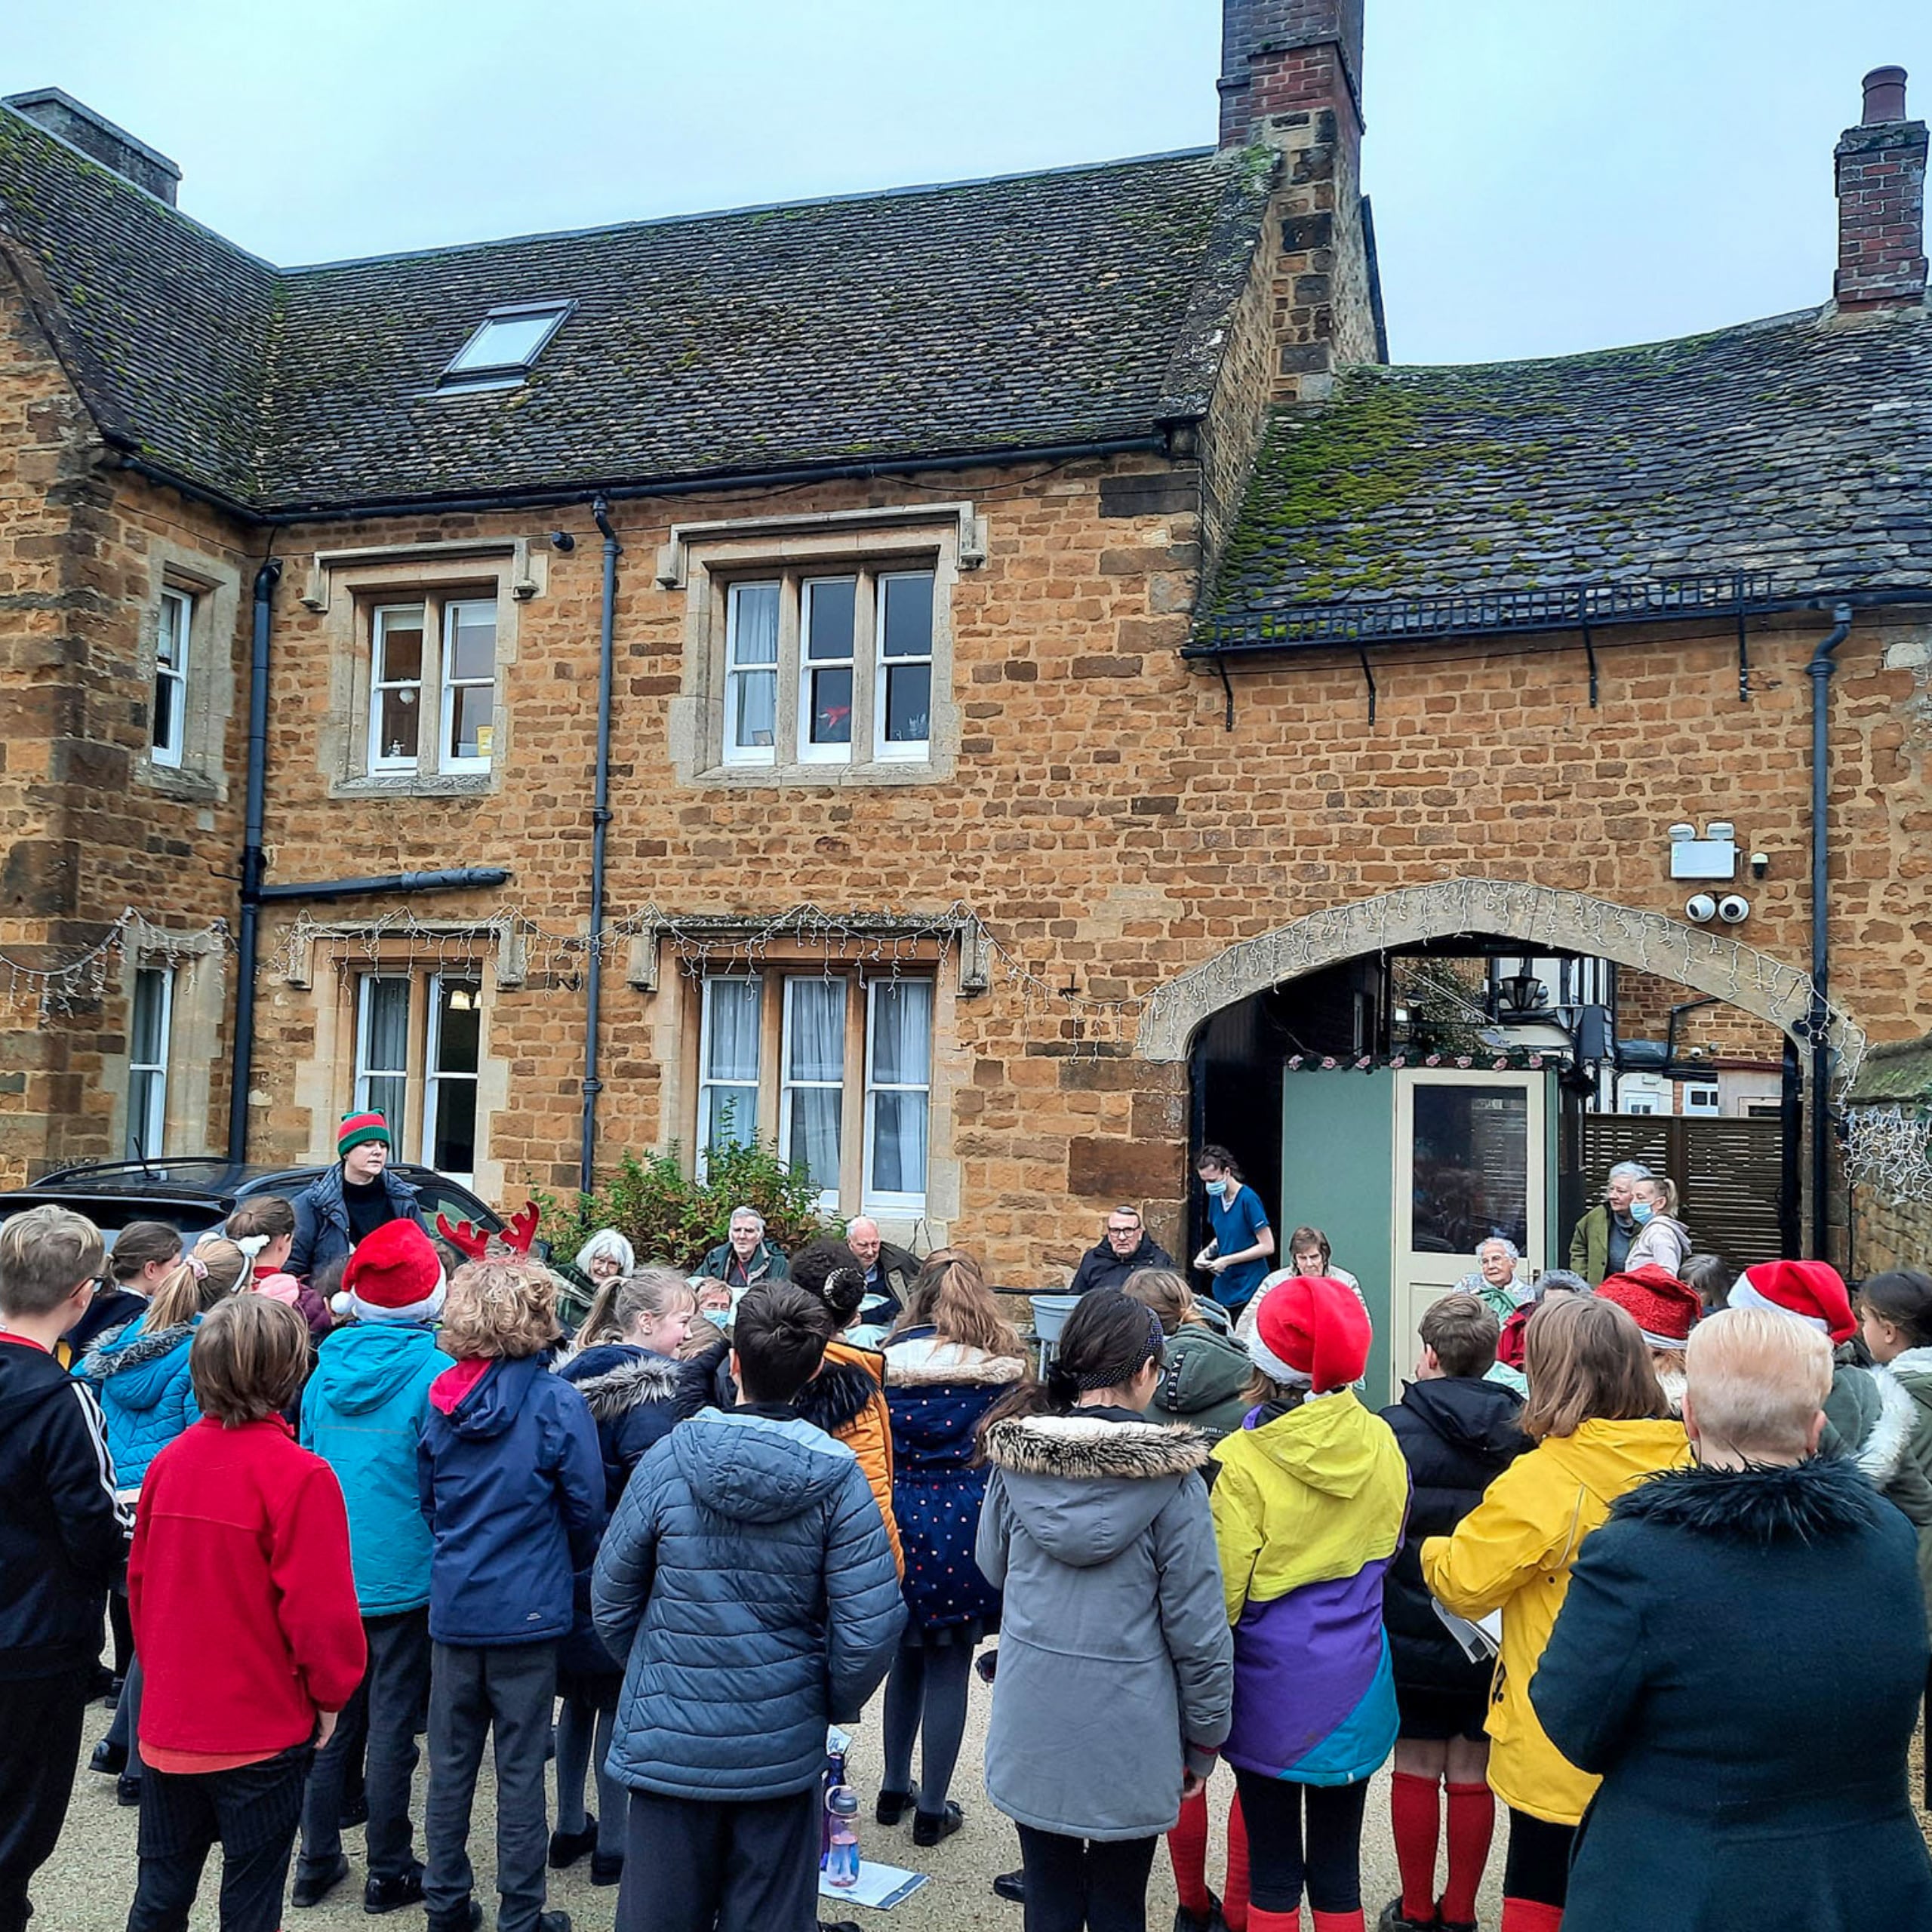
(196, 1193)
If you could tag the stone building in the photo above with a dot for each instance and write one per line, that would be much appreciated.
(1039, 639)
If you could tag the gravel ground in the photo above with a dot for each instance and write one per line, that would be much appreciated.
(88, 1884)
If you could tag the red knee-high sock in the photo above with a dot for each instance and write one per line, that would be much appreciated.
(1471, 1825)
(1415, 1811)
(1233, 1903)
(1259, 1920)
(1526, 1915)
(1339, 1921)
(1187, 1846)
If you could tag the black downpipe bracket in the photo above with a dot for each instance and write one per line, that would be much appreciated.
(1819, 670)
(600, 822)
(248, 929)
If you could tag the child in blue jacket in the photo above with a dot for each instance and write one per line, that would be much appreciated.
(512, 1486)
(747, 1582)
(364, 1412)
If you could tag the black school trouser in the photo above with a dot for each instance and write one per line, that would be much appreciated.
(1535, 1869)
(509, 1689)
(40, 1739)
(693, 1864)
(1085, 1885)
(1282, 1861)
(386, 1712)
(252, 1812)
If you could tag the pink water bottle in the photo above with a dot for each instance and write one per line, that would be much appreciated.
(841, 1860)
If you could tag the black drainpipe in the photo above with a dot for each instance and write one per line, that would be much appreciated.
(1820, 669)
(241, 1060)
(600, 820)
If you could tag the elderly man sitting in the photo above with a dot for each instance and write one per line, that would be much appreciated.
(745, 1256)
(890, 1272)
(1125, 1248)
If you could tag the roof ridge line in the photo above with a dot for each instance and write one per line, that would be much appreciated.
(747, 208)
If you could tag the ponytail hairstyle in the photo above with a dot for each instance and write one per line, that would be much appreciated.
(651, 1292)
(1166, 1293)
(141, 1242)
(952, 1296)
(1214, 1156)
(1903, 1297)
(1108, 1340)
(207, 1273)
(831, 1274)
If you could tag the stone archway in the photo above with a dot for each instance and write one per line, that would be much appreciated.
(1537, 916)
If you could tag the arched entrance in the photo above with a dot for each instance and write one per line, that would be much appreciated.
(1432, 1151)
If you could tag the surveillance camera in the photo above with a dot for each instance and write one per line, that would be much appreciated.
(1733, 910)
(1700, 907)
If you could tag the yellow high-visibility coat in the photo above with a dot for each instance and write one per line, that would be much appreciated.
(1513, 1552)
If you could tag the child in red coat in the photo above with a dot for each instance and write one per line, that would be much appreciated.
(246, 1617)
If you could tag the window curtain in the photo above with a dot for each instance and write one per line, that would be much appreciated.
(386, 1054)
(731, 1065)
(755, 642)
(902, 1059)
(816, 1053)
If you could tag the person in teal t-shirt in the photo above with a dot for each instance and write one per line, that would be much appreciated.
(1243, 1244)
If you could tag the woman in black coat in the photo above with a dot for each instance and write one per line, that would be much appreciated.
(1741, 1658)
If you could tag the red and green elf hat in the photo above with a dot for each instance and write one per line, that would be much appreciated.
(356, 1128)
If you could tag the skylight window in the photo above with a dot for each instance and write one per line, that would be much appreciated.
(509, 341)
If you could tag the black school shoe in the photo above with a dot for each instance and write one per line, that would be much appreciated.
(894, 1805)
(566, 1848)
(466, 1919)
(1011, 1885)
(108, 1759)
(312, 1887)
(1187, 1922)
(929, 1827)
(126, 1790)
(1392, 1921)
(382, 1895)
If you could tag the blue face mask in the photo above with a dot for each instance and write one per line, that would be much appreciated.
(1641, 1211)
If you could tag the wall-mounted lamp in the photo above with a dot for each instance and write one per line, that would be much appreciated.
(1761, 863)
(561, 539)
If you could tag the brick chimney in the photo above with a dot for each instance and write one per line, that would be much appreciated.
(79, 126)
(1881, 174)
(1291, 80)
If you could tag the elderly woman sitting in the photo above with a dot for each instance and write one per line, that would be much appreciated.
(1740, 1658)
(1495, 1281)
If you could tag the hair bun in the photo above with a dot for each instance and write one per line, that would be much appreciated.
(1063, 1385)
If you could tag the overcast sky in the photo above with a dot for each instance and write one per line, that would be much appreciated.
(1548, 175)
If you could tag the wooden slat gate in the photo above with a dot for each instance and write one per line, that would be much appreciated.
(1729, 1174)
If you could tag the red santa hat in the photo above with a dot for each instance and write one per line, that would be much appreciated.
(395, 1275)
(1666, 1309)
(1814, 1292)
(1311, 1332)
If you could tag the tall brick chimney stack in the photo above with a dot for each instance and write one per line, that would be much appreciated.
(1291, 80)
(1880, 172)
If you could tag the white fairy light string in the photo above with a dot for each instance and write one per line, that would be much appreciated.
(83, 978)
(1888, 1149)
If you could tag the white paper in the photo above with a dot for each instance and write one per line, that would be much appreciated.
(881, 1887)
(1480, 1640)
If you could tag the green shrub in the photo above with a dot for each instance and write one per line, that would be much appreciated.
(671, 1219)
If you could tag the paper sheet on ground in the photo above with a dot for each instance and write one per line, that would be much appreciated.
(881, 1887)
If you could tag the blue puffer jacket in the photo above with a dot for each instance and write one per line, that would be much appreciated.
(629, 1392)
(142, 1380)
(322, 1220)
(512, 1489)
(747, 1581)
(363, 1413)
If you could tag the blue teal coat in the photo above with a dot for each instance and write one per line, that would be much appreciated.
(363, 1413)
(747, 1582)
(142, 1380)
(936, 1394)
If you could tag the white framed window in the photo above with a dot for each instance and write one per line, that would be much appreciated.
(452, 1063)
(469, 683)
(432, 685)
(728, 1045)
(382, 1050)
(751, 674)
(812, 1081)
(174, 633)
(899, 1048)
(903, 704)
(828, 624)
(149, 1024)
(395, 687)
(1701, 1100)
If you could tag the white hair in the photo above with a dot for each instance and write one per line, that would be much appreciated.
(748, 1213)
(606, 1244)
(1502, 1241)
(1630, 1170)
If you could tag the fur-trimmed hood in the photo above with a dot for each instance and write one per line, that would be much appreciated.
(1080, 1448)
(921, 1360)
(1873, 1413)
(118, 1351)
(1823, 1500)
(613, 1381)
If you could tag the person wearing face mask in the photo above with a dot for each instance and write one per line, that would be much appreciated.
(1761, 1779)
(1236, 1256)
(1663, 1240)
(1600, 1244)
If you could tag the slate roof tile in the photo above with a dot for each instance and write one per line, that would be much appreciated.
(1009, 314)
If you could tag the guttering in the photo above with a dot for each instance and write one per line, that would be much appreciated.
(683, 486)
(248, 927)
(600, 821)
(1820, 671)
(453, 878)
